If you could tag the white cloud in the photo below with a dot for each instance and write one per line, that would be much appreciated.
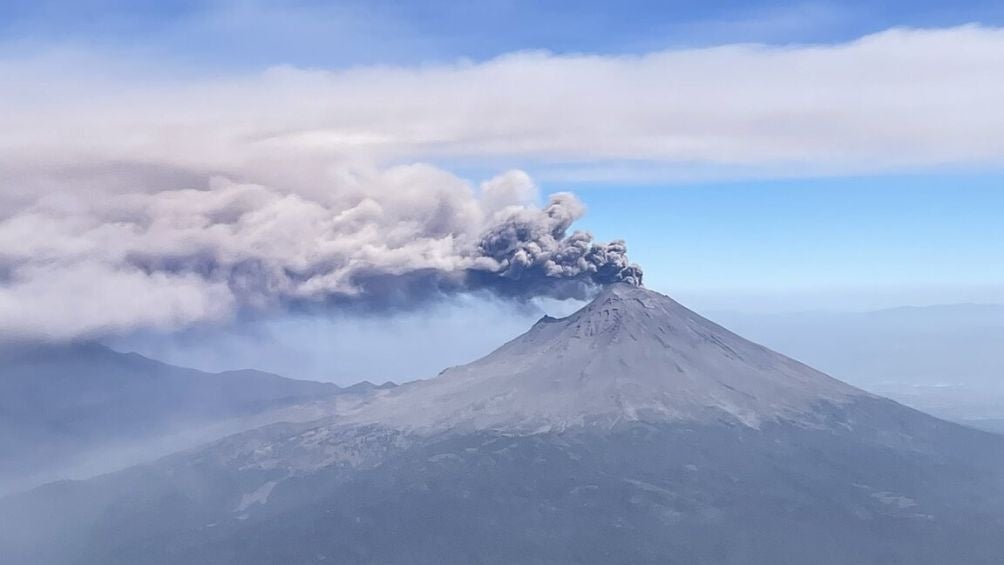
(66, 300)
(212, 193)
(901, 98)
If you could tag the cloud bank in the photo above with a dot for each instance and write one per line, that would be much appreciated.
(133, 197)
(75, 265)
(901, 98)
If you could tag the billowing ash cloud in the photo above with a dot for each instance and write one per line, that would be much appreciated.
(88, 262)
(533, 249)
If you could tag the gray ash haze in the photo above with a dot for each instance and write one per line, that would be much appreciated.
(392, 239)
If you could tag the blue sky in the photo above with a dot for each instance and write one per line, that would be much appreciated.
(212, 35)
(788, 196)
(817, 243)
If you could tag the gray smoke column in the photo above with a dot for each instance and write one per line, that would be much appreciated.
(533, 253)
(76, 264)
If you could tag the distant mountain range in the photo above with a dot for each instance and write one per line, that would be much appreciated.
(633, 431)
(65, 405)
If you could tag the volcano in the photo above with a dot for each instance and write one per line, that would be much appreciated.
(633, 431)
(630, 355)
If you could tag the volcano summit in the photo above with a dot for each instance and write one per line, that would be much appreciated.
(630, 355)
(633, 431)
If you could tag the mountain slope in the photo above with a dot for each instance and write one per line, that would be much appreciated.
(631, 354)
(58, 402)
(633, 431)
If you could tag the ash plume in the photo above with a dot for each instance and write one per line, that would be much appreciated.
(533, 248)
(76, 266)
